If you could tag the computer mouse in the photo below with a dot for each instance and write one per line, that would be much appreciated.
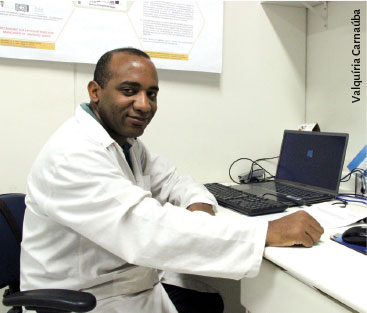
(356, 235)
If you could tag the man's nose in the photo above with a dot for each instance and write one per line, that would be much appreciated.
(142, 103)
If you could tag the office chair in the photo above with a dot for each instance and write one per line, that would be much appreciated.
(12, 209)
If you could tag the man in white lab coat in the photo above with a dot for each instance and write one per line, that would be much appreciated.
(107, 216)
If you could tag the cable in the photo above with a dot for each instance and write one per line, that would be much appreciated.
(356, 201)
(265, 171)
(230, 167)
(342, 202)
(349, 175)
(362, 174)
(252, 170)
(352, 198)
(352, 195)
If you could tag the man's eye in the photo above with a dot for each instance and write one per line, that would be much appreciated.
(128, 91)
(152, 95)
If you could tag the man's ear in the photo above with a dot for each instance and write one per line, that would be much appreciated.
(94, 91)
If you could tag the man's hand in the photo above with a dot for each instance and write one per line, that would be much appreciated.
(298, 228)
(201, 207)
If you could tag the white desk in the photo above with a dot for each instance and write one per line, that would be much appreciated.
(325, 278)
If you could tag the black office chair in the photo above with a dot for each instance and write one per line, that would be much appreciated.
(12, 209)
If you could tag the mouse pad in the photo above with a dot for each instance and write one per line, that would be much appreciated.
(338, 239)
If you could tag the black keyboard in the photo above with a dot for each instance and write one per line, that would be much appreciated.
(243, 202)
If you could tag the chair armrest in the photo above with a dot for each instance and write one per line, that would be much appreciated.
(58, 299)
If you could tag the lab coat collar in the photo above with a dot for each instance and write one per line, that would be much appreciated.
(95, 130)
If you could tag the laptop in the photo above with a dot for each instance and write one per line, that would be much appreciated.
(308, 171)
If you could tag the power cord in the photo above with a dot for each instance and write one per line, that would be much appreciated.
(251, 178)
(343, 203)
(348, 176)
(362, 174)
(349, 197)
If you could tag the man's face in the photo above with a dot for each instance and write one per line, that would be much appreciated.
(128, 102)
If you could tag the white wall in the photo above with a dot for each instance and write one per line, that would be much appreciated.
(204, 121)
(329, 77)
(36, 97)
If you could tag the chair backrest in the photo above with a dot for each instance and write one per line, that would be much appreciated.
(9, 245)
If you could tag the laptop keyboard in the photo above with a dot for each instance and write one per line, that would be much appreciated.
(244, 202)
(297, 192)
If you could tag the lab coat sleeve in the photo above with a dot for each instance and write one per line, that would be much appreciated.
(168, 186)
(87, 192)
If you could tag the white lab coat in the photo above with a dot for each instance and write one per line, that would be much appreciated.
(92, 224)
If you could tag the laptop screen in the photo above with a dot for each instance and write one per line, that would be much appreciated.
(312, 158)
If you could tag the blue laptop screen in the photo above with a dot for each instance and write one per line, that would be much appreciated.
(312, 158)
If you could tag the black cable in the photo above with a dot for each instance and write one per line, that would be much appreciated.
(342, 202)
(252, 167)
(265, 159)
(234, 162)
(356, 171)
(349, 175)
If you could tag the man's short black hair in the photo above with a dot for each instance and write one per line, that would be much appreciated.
(102, 74)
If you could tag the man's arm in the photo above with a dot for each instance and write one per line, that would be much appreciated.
(167, 185)
(298, 228)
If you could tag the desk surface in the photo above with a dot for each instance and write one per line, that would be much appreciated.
(337, 271)
(332, 268)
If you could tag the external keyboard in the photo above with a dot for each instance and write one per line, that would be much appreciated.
(243, 202)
